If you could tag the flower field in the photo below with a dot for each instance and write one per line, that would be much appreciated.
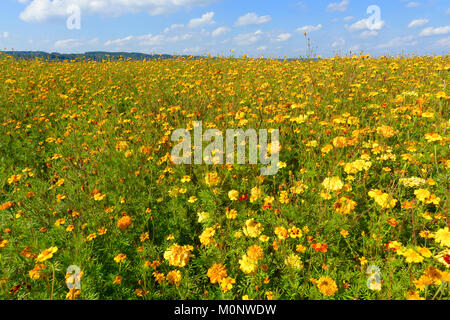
(92, 207)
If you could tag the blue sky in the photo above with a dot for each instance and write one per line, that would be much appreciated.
(225, 27)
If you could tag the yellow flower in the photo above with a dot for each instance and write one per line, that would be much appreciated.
(73, 294)
(425, 252)
(231, 213)
(233, 195)
(344, 205)
(412, 256)
(36, 272)
(255, 252)
(120, 258)
(206, 238)
(363, 261)
(327, 286)
(382, 199)
(414, 296)
(281, 233)
(124, 222)
(255, 194)
(386, 131)
(216, 273)
(99, 197)
(227, 284)
(422, 194)
(174, 277)
(344, 233)
(117, 280)
(333, 184)
(248, 265)
(212, 179)
(432, 137)
(327, 148)
(442, 236)
(252, 228)
(294, 261)
(60, 222)
(46, 254)
(178, 256)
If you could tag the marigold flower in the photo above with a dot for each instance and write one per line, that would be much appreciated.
(178, 256)
(46, 254)
(120, 258)
(216, 273)
(174, 277)
(327, 286)
(124, 222)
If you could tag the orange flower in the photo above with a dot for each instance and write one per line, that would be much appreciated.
(124, 222)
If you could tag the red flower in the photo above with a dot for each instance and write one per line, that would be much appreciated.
(320, 247)
(447, 258)
(243, 197)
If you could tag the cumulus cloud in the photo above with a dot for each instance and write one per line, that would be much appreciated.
(283, 37)
(248, 38)
(205, 20)
(309, 29)
(43, 10)
(173, 27)
(338, 43)
(418, 23)
(444, 43)
(368, 34)
(252, 18)
(147, 40)
(430, 31)
(399, 42)
(364, 24)
(412, 4)
(220, 31)
(338, 6)
(71, 44)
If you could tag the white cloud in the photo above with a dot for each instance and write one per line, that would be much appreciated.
(67, 44)
(5, 34)
(363, 24)
(338, 43)
(430, 31)
(338, 6)
(248, 38)
(119, 42)
(262, 48)
(355, 48)
(283, 37)
(444, 43)
(193, 50)
(205, 20)
(252, 18)
(368, 33)
(147, 40)
(418, 23)
(173, 27)
(399, 42)
(309, 29)
(220, 31)
(42, 10)
(348, 18)
(412, 4)
(447, 13)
